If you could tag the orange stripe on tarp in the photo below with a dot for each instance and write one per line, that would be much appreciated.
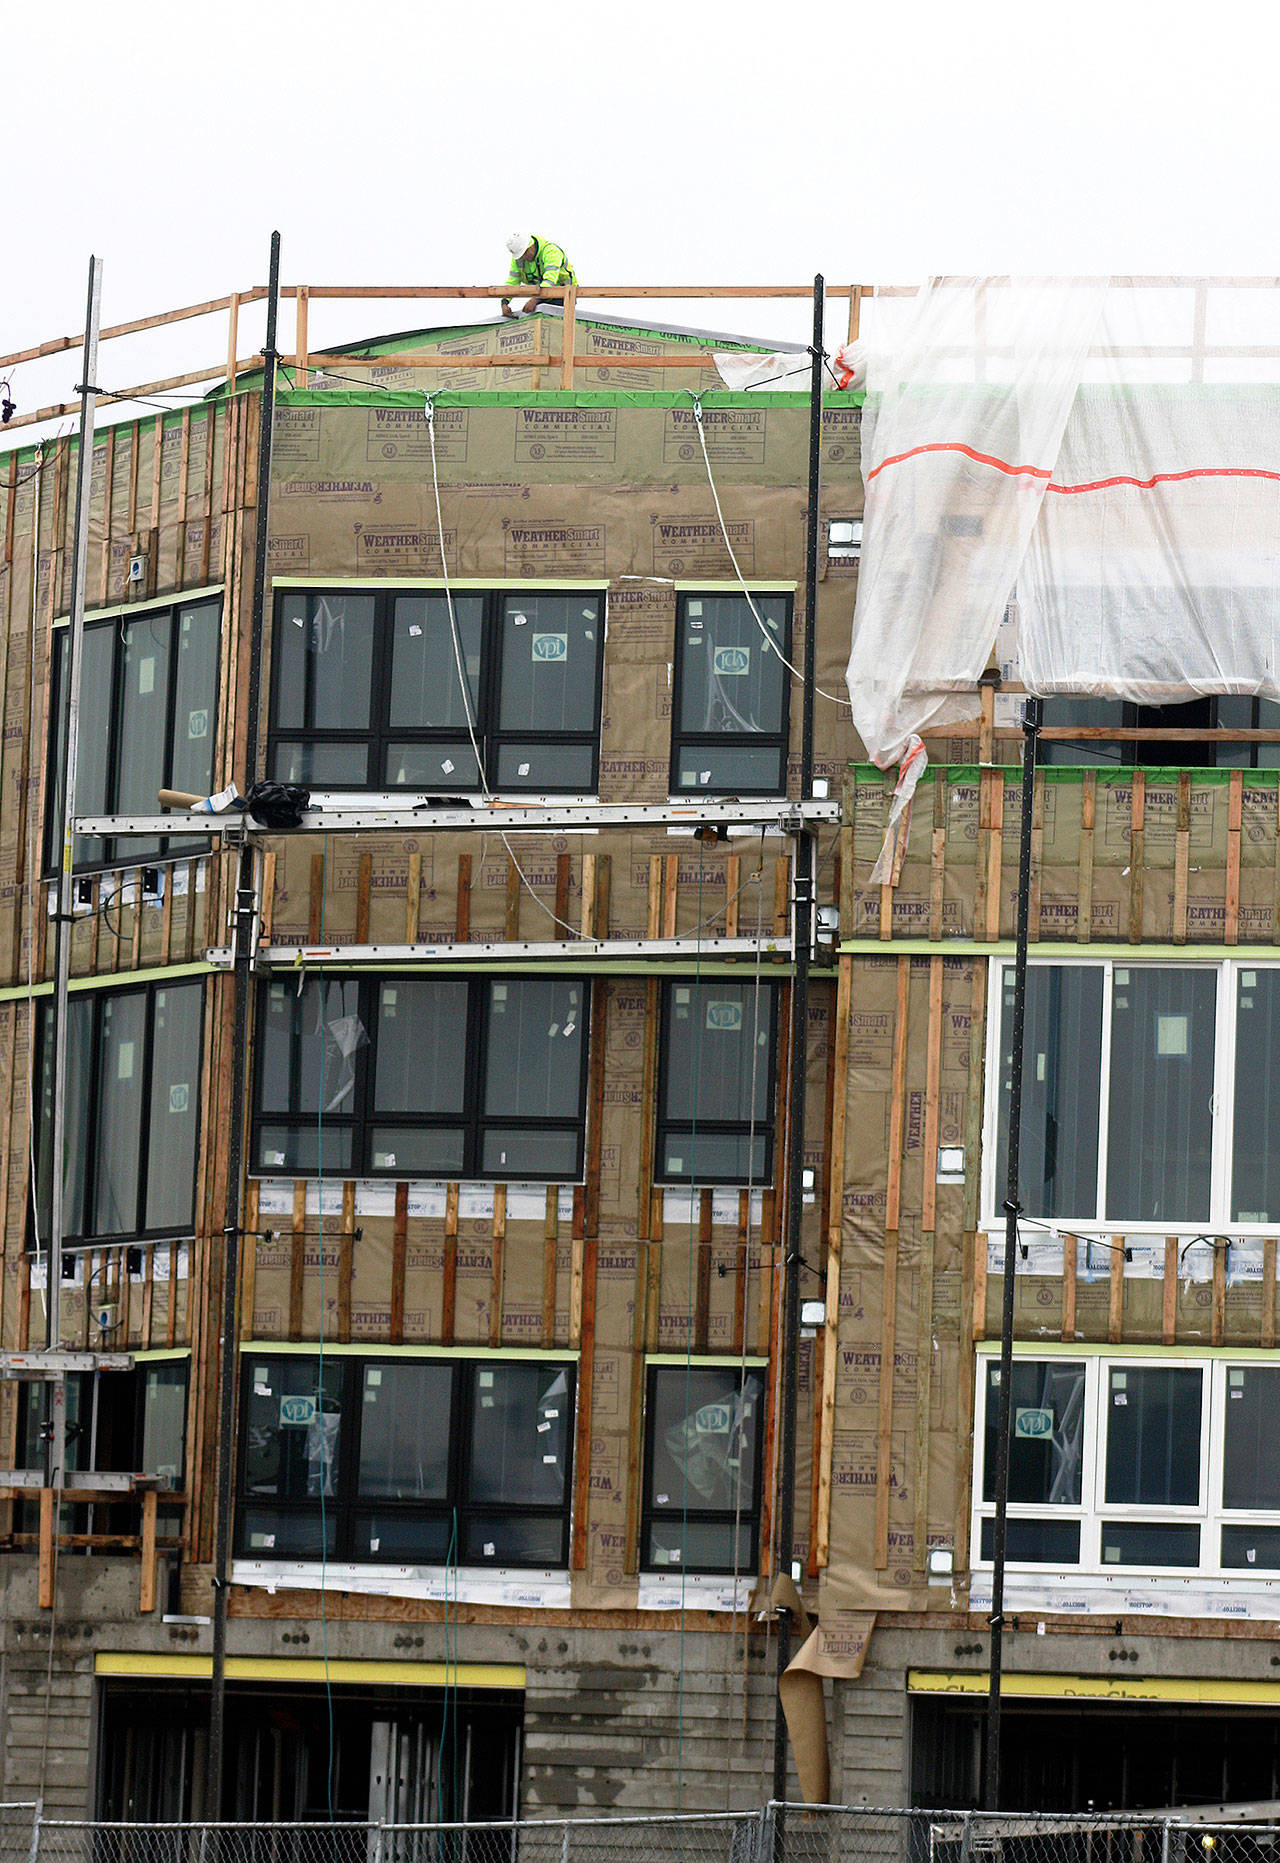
(1091, 485)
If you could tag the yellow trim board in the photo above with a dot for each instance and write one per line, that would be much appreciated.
(312, 1669)
(1209, 1692)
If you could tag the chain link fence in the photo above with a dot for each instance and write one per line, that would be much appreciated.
(773, 1834)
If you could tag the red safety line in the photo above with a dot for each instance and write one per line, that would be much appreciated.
(1092, 485)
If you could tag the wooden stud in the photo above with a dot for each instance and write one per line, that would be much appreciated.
(511, 923)
(1235, 809)
(297, 1257)
(980, 1251)
(603, 892)
(300, 336)
(449, 1292)
(702, 1281)
(982, 866)
(148, 1297)
(1182, 858)
(171, 1311)
(364, 887)
(932, 1097)
(648, 1101)
(550, 1249)
(497, 1266)
(1218, 1310)
(973, 1094)
(568, 332)
(1070, 1269)
(44, 1595)
(1115, 1300)
(671, 876)
(462, 923)
(184, 468)
(924, 1394)
(135, 448)
(884, 1416)
(104, 563)
(1137, 838)
(653, 928)
(413, 897)
(147, 1588)
(938, 863)
(582, 1435)
(781, 896)
(995, 851)
(1267, 1329)
(346, 1261)
(1169, 1293)
(587, 914)
(233, 327)
(315, 914)
(249, 1258)
(206, 516)
(987, 723)
(399, 1252)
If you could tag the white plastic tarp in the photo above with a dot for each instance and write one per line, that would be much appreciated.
(1110, 450)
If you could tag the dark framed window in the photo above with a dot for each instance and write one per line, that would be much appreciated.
(132, 1422)
(148, 714)
(367, 689)
(716, 1083)
(436, 1460)
(730, 699)
(133, 1096)
(423, 1077)
(703, 1438)
(1202, 715)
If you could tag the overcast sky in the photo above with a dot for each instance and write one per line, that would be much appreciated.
(400, 143)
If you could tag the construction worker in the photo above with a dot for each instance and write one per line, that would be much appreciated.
(536, 261)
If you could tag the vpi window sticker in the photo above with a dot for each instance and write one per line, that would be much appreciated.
(713, 1420)
(724, 1015)
(1033, 1422)
(729, 662)
(551, 646)
(297, 1411)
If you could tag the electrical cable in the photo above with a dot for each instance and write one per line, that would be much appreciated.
(724, 531)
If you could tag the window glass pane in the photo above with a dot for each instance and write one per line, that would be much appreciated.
(514, 1151)
(75, 1156)
(450, 765)
(421, 1045)
(324, 663)
(305, 1150)
(427, 1151)
(534, 1049)
(175, 1101)
(1061, 1089)
(310, 1045)
(121, 1058)
(550, 652)
(164, 1414)
(278, 1533)
(730, 679)
(719, 1039)
(1153, 1436)
(1160, 1544)
(1046, 1453)
(1251, 1546)
(403, 1537)
(1255, 1159)
(1251, 1448)
(404, 1431)
(703, 1434)
(425, 688)
(715, 1157)
(321, 765)
(755, 768)
(144, 713)
(544, 767)
(292, 1425)
(520, 1434)
(1035, 1542)
(93, 790)
(196, 696)
(1160, 1125)
(1090, 751)
(699, 1545)
(514, 1539)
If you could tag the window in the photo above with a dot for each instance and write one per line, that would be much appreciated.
(423, 1077)
(716, 1083)
(1208, 715)
(366, 691)
(702, 1468)
(730, 697)
(148, 708)
(131, 1422)
(1120, 1465)
(1151, 1095)
(133, 1094)
(434, 1461)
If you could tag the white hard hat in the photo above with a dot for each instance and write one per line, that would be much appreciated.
(518, 243)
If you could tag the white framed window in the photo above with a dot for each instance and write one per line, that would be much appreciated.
(1151, 1095)
(1123, 1464)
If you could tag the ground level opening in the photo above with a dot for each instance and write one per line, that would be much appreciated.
(1103, 1757)
(301, 1752)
